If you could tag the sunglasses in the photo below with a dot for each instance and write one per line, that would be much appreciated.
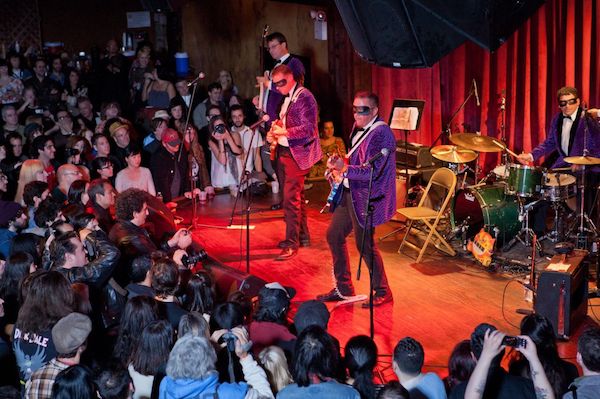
(571, 101)
(280, 83)
(361, 110)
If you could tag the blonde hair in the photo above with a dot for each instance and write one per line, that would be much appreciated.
(27, 174)
(275, 364)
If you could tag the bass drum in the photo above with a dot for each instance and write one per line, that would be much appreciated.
(486, 206)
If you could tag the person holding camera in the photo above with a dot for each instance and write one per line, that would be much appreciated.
(490, 381)
(226, 149)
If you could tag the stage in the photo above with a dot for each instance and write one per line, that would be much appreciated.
(438, 302)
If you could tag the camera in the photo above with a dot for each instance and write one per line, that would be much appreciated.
(220, 129)
(515, 342)
(191, 259)
(230, 338)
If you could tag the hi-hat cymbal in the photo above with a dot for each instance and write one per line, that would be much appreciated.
(582, 160)
(453, 154)
(477, 142)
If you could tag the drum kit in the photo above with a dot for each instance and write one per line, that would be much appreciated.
(502, 201)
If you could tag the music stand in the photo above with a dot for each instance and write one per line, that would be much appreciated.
(405, 115)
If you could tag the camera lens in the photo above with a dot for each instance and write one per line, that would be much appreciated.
(220, 129)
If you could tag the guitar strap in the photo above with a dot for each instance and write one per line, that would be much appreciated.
(363, 136)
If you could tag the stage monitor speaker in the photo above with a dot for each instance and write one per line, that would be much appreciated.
(418, 33)
(228, 280)
(562, 296)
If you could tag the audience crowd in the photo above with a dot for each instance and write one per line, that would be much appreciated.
(97, 301)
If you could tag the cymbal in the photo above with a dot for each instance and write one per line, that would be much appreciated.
(477, 142)
(453, 154)
(582, 160)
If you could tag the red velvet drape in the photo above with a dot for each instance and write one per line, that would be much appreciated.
(558, 46)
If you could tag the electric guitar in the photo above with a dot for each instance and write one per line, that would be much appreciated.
(336, 162)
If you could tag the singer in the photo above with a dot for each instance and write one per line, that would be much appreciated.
(371, 142)
(569, 134)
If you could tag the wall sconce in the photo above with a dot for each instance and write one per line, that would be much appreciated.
(320, 19)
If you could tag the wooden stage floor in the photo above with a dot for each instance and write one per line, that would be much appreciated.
(437, 302)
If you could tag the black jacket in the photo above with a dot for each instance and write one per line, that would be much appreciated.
(162, 166)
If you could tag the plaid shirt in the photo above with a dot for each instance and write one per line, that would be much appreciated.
(42, 380)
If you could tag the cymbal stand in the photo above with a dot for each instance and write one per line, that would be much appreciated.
(448, 130)
(503, 125)
(585, 223)
(526, 234)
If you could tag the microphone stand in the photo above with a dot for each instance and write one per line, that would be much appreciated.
(245, 179)
(448, 130)
(369, 218)
(191, 176)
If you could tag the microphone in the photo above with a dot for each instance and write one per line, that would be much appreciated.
(476, 93)
(265, 118)
(201, 76)
(382, 153)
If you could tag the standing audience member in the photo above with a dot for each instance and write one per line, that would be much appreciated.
(32, 170)
(158, 125)
(12, 221)
(69, 335)
(215, 98)
(65, 175)
(498, 384)
(149, 358)
(169, 166)
(122, 137)
(165, 281)
(74, 382)
(193, 324)
(199, 172)
(191, 372)
(138, 313)
(315, 364)
(273, 360)
(157, 91)
(141, 277)
(102, 198)
(49, 298)
(484, 384)
(226, 150)
(134, 175)
(407, 364)
(360, 360)
(560, 373)
(588, 357)
(269, 326)
(460, 365)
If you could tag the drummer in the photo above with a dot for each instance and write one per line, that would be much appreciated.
(566, 136)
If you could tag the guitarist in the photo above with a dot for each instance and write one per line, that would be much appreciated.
(369, 136)
(296, 136)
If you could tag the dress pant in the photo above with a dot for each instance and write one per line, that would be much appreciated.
(342, 223)
(291, 179)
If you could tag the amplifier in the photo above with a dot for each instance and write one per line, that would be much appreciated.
(415, 155)
(562, 292)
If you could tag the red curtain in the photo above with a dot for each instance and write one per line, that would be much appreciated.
(558, 46)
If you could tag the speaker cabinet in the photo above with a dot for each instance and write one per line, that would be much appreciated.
(228, 280)
(418, 33)
(562, 295)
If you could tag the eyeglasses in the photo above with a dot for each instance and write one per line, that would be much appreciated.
(272, 46)
(280, 83)
(571, 101)
(107, 166)
(361, 110)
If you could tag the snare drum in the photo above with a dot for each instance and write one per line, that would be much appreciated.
(559, 187)
(486, 206)
(524, 181)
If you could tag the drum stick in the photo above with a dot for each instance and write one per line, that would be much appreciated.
(505, 148)
(560, 169)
